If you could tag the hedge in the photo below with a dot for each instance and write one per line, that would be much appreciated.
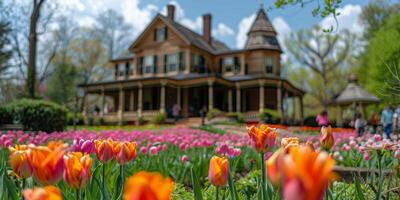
(36, 115)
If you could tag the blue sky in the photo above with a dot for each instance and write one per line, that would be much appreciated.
(231, 18)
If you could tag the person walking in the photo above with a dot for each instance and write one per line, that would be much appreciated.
(387, 120)
(322, 119)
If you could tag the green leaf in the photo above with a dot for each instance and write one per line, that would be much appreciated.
(359, 190)
(11, 188)
(196, 186)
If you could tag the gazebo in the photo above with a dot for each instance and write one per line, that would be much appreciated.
(354, 95)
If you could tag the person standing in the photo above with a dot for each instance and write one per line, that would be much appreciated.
(359, 124)
(387, 120)
(322, 119)
(176, 109)
(374, 121)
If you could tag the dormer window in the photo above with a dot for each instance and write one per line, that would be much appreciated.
(269, 65)
(229, 63)
(148, 64)
(270, 40)
(160, 34)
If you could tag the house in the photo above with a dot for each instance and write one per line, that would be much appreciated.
(172, 64)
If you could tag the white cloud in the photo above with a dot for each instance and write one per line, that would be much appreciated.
(244, 27)
(195, 25)
(283, 30)
(348, 19)
(222, 30)
(136, 16)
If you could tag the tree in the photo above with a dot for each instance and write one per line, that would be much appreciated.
(323, 55)
(5, 52)
(33, 35)
(381, 62)
(375, 14)
(114, 32)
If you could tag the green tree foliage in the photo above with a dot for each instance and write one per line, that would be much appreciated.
(375, 14)
(321, 59)
(381, 61)
(62, 84)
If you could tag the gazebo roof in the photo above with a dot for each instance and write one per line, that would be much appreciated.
(355, 93)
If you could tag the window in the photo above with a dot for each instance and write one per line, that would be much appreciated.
(160, 34)
(198, 64)
(173, 62)
(270, 40)
(148, 64)
(121, 69)
(269, 66)
(229, 63)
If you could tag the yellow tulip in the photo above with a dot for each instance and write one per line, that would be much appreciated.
(218, 171)
(77, 169)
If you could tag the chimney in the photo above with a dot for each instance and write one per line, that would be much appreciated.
(171, 12)
(207, 28)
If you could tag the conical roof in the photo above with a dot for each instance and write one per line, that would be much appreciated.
(262, 34)
(355, 93)
(262, 23)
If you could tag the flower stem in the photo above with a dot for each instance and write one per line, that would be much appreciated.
(263, 178)
(217, 194)
(378, 194)
(104, 177)
(78, 195)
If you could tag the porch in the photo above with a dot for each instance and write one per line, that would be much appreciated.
(130, 100)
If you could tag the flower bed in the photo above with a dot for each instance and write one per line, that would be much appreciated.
(184, 155)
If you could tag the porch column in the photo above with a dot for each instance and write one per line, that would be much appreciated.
(187, 61)
(121, 105)
(162, 97)
(185, 106)
(102, 102)
(210, 95)
(140, 100)
(230, 106)
(279, 99)
(131, 100)
(301, 110)
(85, 110)
(178, 96)
(294, 108)
(261, 101)
(238, 98)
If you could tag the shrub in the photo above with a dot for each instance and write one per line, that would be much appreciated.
(6, 116)
(212, 129)
(159, 118)
(211, 114)
(38, 115)
(140, 121)
(79, 118)
(310, 121)
(270, 116)
(237, 116)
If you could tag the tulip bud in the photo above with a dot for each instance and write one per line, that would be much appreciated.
(104, 150)
(20, 164)
(77, 169)
(184, 158)
(326, 138)
(46, 193)
(124, 152)
(218, 171)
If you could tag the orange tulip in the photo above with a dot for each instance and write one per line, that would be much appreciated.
(218, 171)
(326, 138)
(124, 152)
(263, 138)
(47, 164)
(77, 169)
(289, 142)
(148, 186)
(306, 173)
(20, 163)
(45, 193)
(104, 150)
(274, 166)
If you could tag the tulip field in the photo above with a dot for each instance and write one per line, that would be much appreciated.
(185, 163)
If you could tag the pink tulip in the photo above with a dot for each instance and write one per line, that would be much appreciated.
(143, 150)
(153, 150)
(184, 158)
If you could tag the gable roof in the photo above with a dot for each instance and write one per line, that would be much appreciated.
(189, 36)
